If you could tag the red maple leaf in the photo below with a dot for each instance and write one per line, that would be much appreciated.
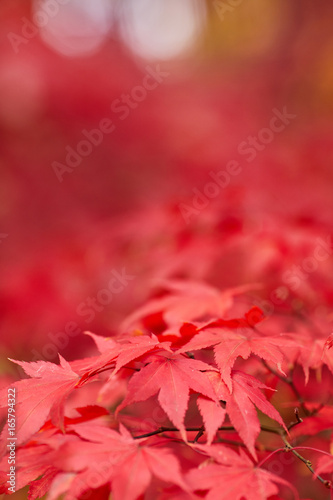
(171, 376)
(251, 318)
(188, 330)
(240, 406)
(184, 302)
(89, 412)
(322, 420)
(102, 343)
(233, 476)
(40, 487)
(41, 396)
(123, 351)
(28, 467)
(213, 416)
(229, 344)
(314, 353)
(101, 455)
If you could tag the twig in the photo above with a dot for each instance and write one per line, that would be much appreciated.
(289, 381)
(198, 436)
(299, 420)
(166, 429)
(200, 430)
(308, 463)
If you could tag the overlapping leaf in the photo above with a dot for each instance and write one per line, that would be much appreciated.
(104, 456)
(234, 476)
(121, 352)
(242, 342)
(240, 406)
(41, 396)
(171, 376)
(186, 301)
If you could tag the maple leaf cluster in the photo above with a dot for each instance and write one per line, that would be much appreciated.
(200, 408)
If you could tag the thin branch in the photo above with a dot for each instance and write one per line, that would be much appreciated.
(273, 430)
(281, 433)
(165, 429)
(160, 430)
(299, 420)
(308, 463)
(290, 448)
(200, 433)
(289, 381)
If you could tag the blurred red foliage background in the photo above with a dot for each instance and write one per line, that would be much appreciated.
(120, 207)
